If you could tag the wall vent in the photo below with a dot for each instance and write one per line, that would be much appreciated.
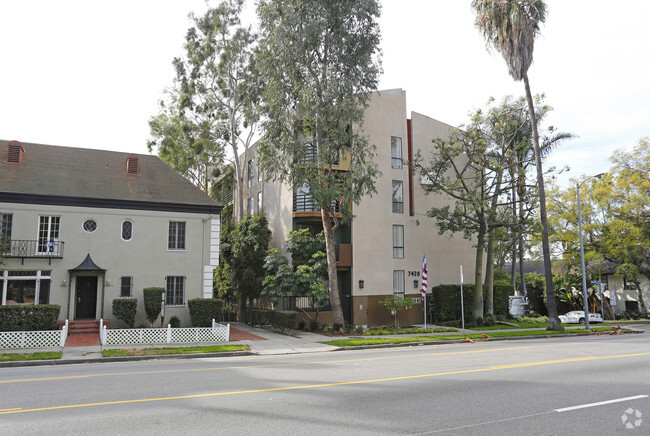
(132, 164)
(15, 152)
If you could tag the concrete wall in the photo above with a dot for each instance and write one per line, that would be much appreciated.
(616, 285)
(145, 257)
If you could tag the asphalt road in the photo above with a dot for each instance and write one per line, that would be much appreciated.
(525, 387)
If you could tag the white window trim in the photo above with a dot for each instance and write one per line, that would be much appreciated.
(132, 229)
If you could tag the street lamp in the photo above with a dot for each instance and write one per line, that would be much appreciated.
(582, 251)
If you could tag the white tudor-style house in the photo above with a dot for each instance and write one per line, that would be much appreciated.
(84, 227)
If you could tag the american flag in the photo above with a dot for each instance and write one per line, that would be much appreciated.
(424, 276)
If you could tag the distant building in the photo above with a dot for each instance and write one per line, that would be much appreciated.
(381, 252)
(84, 227)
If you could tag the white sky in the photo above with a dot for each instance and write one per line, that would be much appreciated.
(89, 73)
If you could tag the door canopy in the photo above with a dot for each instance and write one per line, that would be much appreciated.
(87, 265)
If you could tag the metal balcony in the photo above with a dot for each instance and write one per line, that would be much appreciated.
(33, 249)
(305, 203)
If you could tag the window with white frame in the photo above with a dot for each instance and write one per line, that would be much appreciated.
(25, 287)
(89, 226)
(175, 291)
(6, 223)
(398, 242)
(48, 234)
(250, 205)
(259, 201)
(251, 173)
(398, 282)
(396, 152)
(398, 196)
(176, 239)
(127, 230)
(126, 287)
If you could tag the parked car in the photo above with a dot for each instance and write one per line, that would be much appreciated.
(578, 317)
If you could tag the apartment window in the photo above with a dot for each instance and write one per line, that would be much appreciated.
(259, 201)
(25, 287)
(398, 242)
(48, 233)
(398, 282)
(126, 287)
(89, 226)
(127, 230)
(396, 152)
(250, 205)
(251, 173)
(6, 222)
(398, 196)
(176, 240)
(175, 295)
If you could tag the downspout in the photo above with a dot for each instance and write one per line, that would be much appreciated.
(410, 158)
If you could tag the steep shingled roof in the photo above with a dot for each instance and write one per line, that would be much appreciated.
(81, 173)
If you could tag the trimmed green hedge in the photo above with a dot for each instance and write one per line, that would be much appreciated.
(284, 319)
(29, 318)
(152, 302)
(125, 309)
(446, 301)
(204, 310)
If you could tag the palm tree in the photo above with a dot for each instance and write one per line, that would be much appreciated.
(510, 26)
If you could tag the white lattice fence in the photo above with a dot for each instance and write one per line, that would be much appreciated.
(33, 339)
(216, 333)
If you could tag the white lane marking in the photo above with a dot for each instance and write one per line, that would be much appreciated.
(600, 403)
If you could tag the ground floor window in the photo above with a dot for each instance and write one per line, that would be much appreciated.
(25, 287)
(398, 282)
(175, 291)
(126, 287)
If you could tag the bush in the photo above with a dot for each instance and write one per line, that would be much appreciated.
(125, 309)
(489, 320)
(175, 322)
(204, 310)
(152, 302)
(29, 318)
(284, 319)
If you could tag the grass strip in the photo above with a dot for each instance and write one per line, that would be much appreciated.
(358, 342)
(42, 355)
(118, 352)
(391, 331)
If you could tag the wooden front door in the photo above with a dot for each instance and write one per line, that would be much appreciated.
(86, 298)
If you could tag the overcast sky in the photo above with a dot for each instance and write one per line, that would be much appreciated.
(89, 73)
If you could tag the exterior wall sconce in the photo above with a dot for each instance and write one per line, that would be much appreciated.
(108, 283)
(361, 284)
(63, 284)
(415, 283)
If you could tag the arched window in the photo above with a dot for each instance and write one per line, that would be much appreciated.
(127, 230)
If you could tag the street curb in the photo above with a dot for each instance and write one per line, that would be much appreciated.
(55, 362)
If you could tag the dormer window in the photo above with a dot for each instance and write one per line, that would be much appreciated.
(132, 164)
(15, 152)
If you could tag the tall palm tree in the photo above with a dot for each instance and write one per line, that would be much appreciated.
(510, 26)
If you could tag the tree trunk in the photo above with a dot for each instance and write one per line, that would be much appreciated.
(515, 232)
(641, 302)
(553, 320)
(477, 304)
(335, 299)
(489, 274)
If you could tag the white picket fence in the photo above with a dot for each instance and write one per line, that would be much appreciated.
(34, 339)
(216, 333)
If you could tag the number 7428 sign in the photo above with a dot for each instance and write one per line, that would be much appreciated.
(414, 273)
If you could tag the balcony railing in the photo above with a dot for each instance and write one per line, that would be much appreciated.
(23, 248)
(305, 203)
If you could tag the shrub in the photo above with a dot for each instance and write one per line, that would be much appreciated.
(314, 325)
(284, 319)
(204, 310)
(489, 320)
(29, 318)
(125, 309)
(152, 302)
(302, 324)
(479, 322)
(175, 322)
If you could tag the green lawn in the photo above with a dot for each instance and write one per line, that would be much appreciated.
(117, 352)
(475, 337)
(45, 355)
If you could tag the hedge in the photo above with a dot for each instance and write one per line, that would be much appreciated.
(29, 318)
(204, 310)
(284, 319)
(152, 302)
(125, 309)
(446, 301)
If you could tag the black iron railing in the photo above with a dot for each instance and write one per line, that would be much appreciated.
(23, 248)
(305, 203)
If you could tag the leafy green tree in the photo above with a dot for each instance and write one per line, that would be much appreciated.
(395, 304)
(320, 63)
(214, 100)
(245, 255)
(5, 242)
(510, 26)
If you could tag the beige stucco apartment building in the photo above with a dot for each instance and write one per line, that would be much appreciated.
(86, 227)
(381, 252)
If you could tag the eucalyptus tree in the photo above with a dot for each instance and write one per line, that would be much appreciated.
(321, 62)
(511, 26)
(214, 101)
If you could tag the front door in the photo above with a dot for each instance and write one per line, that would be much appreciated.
(86, 297)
